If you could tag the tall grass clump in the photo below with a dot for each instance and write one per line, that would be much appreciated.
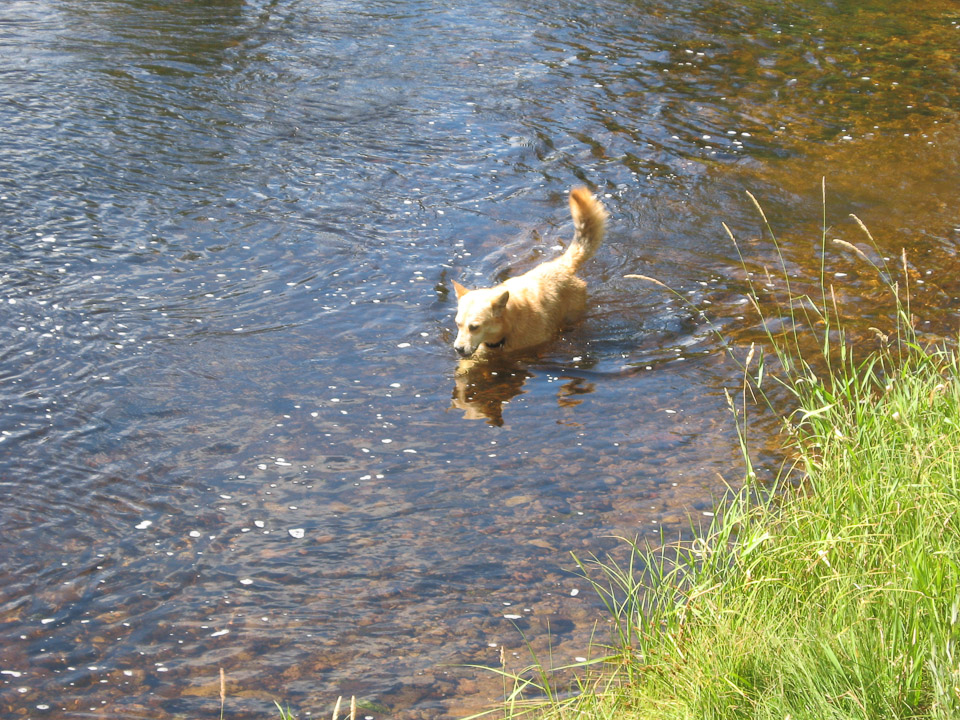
(834, 595)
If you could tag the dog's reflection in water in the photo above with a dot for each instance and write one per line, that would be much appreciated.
(481, 389)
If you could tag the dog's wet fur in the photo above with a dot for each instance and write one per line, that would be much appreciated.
(530, 309)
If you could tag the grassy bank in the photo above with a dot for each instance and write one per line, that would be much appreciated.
(837, 595)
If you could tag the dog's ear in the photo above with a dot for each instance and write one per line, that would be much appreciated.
(459, 289)
(501, 302)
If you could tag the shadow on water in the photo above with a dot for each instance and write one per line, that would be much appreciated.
(234, 433)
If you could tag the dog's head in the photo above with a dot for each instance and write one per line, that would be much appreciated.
(479, 318)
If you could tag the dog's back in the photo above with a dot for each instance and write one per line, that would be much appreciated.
(550, 295)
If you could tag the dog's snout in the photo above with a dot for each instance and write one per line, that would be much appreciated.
(462, 350)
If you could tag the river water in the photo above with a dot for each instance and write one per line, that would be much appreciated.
(231, 432)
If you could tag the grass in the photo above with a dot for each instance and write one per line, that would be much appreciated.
(834, 594)
(287, 714)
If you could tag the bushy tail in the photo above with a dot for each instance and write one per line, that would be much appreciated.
(589, 221)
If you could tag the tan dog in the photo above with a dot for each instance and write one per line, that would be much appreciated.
(532, 308)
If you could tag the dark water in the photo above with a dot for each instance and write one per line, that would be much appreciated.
(229, 231)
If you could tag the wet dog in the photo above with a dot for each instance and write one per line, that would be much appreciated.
(530, 309)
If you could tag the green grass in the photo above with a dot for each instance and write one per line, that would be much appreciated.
(834, 594)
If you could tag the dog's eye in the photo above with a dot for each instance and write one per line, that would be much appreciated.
(473, 327)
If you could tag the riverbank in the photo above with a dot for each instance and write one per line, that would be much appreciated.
(833, 594)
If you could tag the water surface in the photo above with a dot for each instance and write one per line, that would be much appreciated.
(229, 232)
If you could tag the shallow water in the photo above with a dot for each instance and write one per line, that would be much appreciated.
(229, 231)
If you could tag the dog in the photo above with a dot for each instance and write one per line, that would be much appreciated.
(531, 309)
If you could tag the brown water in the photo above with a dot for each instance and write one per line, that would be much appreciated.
(229, 231)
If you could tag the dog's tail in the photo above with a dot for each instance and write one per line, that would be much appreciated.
(589, 221)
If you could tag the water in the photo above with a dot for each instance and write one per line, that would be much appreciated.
(229, 232)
